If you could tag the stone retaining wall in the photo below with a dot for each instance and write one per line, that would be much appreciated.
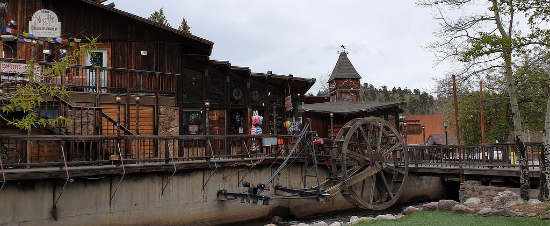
(473, 188)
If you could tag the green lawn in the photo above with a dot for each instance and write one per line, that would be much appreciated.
(421, 218)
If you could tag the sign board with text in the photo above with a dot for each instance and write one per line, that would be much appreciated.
(17, 68)
(44, 23)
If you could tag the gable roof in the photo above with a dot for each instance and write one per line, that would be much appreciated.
(343, 68)
(342, 107)
(144, 20)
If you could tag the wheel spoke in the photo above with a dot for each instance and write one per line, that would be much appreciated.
(371, 200)
(386, 183)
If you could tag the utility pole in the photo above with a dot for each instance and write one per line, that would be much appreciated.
(482, 115)
(456, 121)
(456, 111)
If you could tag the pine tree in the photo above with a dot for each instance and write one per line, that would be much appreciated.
(159, 17)
(184, 27)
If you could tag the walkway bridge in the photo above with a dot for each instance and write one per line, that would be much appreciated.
(101, 155)
(130, 179)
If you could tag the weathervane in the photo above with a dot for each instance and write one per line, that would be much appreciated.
(343, 49)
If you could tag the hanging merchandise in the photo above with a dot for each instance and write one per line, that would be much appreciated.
(256, 129)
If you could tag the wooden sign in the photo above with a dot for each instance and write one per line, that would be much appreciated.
(44, 23)
(288, 103)
(17, 68)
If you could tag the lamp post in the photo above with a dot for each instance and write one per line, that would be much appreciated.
(138, 98)
(117, 98)
(207, 108)
(332, 125)
(446, 125)
(423, 135)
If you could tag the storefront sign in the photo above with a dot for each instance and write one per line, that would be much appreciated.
(44, 23)
(17, 68)
(288, 103)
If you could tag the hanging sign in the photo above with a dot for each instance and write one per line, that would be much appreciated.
(288, 103)
(16, 68)
(44, 23)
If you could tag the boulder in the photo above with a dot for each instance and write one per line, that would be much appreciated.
(320, 223)
(410, 210)
(302, 224)
(462, 209)
(336, 224)
(385, 217)
(353, 219)
(545, 216)
(506, 199)
(512, 213)
(472, 201)
(365, 219)
(493, 212)
(270, 225)
(431, 206)
(533, 202)
(446, 205)
(276, 219)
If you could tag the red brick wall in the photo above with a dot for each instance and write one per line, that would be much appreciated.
(433, 124)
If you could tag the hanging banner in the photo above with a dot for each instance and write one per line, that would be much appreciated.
(44, 23)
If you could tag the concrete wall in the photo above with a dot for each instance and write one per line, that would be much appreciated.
(138, 200)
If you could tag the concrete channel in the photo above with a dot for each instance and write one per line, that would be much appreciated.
(189, 198)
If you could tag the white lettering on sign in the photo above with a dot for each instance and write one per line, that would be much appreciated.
(44, 23)
(16, 68)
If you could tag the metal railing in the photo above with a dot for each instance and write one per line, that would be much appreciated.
(46, 150)
(473, 156)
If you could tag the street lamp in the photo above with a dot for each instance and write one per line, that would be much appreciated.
(118, 98)
(332, 124)
(207, 108)
(138, 98)
(446, 125)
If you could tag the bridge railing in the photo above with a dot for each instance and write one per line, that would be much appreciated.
(46, 150)
(473, 156)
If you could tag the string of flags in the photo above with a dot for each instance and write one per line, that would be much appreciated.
(29, 38)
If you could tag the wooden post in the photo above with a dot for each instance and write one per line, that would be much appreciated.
(482, 115)
(456, 111)
(456, 121)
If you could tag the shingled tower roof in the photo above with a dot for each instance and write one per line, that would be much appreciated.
(344, 69)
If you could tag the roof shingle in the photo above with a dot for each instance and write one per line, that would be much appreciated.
(344, 69)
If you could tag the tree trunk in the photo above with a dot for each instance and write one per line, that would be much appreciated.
(511, 89)
(545, 158)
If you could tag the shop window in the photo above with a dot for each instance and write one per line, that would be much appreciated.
(216, 89)
(192, 87)
(237, 122)
(192, 123)
(237, 93)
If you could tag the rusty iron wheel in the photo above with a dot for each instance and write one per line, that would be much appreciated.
(372, 161)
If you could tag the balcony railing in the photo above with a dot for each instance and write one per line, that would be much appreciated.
(100, 79)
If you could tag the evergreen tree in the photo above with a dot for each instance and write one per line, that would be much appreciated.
(184, 27)
(159, 17)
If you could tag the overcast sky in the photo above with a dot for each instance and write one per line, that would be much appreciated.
(386, 39)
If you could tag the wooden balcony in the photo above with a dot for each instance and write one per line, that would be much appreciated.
(92, 79)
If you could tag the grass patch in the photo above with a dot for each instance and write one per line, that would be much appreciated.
(435, 218)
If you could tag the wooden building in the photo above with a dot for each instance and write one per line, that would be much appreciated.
(145, 79)
(327, 117)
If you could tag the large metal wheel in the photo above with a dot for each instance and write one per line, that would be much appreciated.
(372, 162)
